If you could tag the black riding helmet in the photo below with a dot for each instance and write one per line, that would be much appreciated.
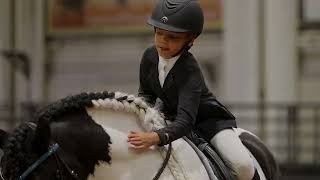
(178, 16)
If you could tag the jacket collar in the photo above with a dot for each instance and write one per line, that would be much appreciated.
(169, 81)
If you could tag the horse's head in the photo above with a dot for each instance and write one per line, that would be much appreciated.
(82, 143)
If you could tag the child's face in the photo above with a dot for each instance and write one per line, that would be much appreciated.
(168, 43)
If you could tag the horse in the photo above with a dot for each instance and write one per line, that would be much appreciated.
(84, 136)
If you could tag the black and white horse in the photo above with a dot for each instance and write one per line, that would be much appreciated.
(85, 137)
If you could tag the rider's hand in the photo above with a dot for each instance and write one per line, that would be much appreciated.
(143, 140)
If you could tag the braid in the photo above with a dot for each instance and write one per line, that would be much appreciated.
(57, 109)
(70, 104)
(17, 156)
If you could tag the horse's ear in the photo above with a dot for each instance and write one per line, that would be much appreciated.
(3, 138)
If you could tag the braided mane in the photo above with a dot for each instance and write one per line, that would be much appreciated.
(71, 103)
(17, 150)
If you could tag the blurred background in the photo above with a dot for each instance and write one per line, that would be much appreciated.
(260, 57)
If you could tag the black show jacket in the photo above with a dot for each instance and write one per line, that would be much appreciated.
(186, 99)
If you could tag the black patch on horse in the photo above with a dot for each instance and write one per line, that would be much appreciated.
(80, 136)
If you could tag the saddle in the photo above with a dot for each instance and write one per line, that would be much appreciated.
(215, 163)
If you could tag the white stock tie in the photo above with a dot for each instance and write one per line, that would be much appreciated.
(162, 73)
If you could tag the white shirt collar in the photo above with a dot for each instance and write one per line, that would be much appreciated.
(168, 62)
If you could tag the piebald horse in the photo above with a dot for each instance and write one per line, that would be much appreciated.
(85, 137)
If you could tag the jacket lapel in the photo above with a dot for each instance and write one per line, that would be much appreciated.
(155, 79)
(168, 81)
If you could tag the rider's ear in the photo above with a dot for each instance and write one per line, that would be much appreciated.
(3, 138)
(192, 39)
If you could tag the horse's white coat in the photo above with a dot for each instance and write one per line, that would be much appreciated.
(130, 164)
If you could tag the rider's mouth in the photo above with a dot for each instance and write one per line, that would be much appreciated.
(163, 49)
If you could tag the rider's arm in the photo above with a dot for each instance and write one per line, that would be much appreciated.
(188, 104)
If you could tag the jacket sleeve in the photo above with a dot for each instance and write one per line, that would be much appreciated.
(145, 90)
(188, 104)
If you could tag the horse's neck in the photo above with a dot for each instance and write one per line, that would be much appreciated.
(122, 121)
(128, 163)
(117, 124)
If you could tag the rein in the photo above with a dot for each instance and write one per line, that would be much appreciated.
(165, 161)
(53, 149)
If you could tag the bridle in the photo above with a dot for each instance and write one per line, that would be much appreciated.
(52, 150)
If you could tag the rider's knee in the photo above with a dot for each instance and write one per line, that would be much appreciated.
(244, 169)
